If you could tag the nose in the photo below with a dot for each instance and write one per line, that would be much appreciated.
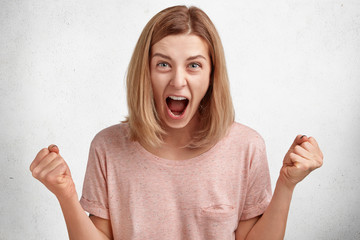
(178, 79)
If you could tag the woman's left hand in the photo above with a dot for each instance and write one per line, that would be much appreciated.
(302, 158)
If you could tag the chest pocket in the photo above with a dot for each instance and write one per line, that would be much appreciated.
(218, 221)
(221, 212)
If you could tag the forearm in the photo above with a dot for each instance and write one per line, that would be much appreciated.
(78, 223)
(272, 223)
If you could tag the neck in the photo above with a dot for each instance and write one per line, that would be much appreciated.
(180, 137)
(176, 141)
(177, 138)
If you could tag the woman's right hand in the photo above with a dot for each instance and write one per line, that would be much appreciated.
(51, 169)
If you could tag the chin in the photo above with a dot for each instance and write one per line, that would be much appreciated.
(176, 125)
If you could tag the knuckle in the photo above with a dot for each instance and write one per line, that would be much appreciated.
(44, 151)
(31, 166)
(41, 176)
(320, 162)
(316, 164)
(292, 155)
(299, 166)
(36, 173)
(53, 155)
(59, 162)
(49, 178)
(305, 144)
(297, 148)
(305, 166)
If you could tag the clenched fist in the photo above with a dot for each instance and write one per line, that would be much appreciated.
(51, 169)
(303, 157)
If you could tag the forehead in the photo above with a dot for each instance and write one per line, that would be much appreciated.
(185, 44)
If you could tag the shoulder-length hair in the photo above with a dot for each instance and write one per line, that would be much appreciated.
(216, 108)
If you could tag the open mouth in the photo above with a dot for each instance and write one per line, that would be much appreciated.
(177, 105)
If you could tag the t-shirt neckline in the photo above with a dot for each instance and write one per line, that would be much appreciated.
(194, 160)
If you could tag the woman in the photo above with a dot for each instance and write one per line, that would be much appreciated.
(179, 167)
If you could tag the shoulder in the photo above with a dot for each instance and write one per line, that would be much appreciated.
(245, 135)
(249, 142)
(114, 134)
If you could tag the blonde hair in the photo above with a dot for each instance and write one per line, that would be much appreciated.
(216, 108)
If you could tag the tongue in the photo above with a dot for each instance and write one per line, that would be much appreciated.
(176, 106)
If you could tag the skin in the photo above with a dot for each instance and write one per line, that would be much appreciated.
(180, 65)
(303, 157)
(51, 169)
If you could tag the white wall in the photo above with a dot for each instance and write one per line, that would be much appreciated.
(294, 69)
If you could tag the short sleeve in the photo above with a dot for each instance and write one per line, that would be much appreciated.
(259, 193)
(94, 198)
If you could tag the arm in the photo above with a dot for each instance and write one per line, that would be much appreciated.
(51, 169)
(303, 156)
(104, 225)
(272, 224)
(80, 226)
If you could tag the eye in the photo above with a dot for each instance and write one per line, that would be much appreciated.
(163, 65)
(194, 65)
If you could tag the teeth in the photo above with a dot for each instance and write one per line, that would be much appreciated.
(174, 114)
(177, 98)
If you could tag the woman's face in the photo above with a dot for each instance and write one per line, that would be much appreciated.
(180, 69)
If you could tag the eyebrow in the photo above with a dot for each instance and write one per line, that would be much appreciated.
(169, 58)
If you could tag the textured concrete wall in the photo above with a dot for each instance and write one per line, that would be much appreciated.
(294, 68)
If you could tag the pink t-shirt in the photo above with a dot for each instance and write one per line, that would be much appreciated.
(147, 197)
